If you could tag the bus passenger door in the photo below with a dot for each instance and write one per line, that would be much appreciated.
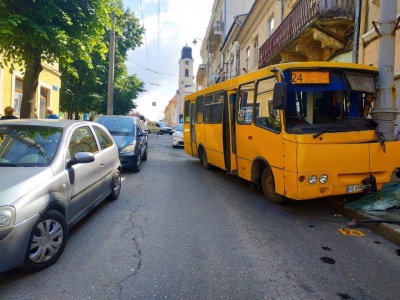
(193, 130)
(229, 134)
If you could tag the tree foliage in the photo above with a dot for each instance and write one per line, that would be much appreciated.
(71, 32)
(87, 89)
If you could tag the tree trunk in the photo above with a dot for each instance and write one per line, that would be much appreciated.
(30, 84)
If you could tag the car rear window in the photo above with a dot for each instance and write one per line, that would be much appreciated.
(117, 126)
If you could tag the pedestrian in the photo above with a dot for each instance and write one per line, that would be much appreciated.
(50, 114)
(8, 114)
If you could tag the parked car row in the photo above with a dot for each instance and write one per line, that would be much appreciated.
(53, 173)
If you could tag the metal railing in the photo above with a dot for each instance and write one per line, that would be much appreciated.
(304, 13)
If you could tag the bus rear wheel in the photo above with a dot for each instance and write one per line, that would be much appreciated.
(268, 187)
(204, 160)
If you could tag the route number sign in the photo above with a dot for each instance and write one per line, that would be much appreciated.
(310, 77)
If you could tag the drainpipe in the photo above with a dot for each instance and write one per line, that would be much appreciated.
(356, 31)
(282, 8)
(384, 111)
(224, 25)
(362, 31)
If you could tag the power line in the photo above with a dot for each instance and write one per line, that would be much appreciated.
(150, 70)
(158, 39)
(145, 39)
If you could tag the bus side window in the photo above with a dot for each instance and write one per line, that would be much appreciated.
(266, 115)
(246, 101)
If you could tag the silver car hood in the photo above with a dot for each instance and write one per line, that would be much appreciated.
(16, 182)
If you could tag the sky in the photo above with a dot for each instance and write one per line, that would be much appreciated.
(170, 25)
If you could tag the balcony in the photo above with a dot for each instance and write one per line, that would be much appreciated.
(215, 37)
(315, 30)
(201, 75)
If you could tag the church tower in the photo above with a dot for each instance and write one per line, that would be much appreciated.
(185, 84)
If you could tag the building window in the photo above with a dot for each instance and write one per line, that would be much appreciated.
(256, 52)
(271, 25)
(232, 69)
(237, 62)
(247, 59)
(186, 72)
(44, 101)
(18, 95)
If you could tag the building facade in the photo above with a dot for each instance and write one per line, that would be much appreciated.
(47, 94)
(185, 83)
(170, 112)
(224, 13)
(270, 32)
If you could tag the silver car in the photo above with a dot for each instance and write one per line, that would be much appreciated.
(52, 173)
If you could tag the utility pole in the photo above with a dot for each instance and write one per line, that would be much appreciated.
(384, 111)
(111, 55)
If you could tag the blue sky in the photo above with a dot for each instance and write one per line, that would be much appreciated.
(167, 32)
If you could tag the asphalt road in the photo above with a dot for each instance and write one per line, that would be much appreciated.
(179, 231)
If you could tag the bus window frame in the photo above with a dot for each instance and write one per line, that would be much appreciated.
(239, 101)
(214, 103)
(196, 109)
(275, 123)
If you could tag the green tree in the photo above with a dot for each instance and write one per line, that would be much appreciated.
(87, 89)
(61, 31)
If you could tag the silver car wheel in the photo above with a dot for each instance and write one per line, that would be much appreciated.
(115, 186)
(46, 241)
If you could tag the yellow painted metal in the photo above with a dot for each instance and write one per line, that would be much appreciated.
(351, 232)
(345, 157)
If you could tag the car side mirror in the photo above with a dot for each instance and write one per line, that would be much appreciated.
(81, 158)
(280, 95)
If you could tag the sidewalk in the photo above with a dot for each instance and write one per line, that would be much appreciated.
(390, 232)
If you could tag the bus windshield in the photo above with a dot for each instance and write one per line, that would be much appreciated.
(320, 98)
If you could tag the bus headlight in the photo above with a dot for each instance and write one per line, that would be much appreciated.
(312, 179)
(323, 178)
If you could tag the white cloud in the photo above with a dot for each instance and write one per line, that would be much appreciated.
(166, 34)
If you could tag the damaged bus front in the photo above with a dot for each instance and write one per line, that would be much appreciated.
(329, 139)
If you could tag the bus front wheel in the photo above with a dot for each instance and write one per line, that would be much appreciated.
(204, 160)
(268, 187)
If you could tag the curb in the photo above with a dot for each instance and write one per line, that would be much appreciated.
(391, 232)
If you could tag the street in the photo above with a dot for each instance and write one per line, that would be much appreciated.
(179, 231)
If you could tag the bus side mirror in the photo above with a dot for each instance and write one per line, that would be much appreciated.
(280, 95)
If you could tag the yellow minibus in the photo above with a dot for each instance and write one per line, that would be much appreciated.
(297, 130)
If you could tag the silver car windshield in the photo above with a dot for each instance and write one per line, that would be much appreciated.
(28, 146)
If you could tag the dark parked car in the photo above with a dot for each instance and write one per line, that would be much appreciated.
(52, 174)
(131, 137)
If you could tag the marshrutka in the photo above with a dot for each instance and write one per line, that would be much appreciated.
(297, 131)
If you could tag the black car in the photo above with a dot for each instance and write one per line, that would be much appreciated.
(131, 138)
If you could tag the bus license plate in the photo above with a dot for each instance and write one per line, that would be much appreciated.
(355, 188)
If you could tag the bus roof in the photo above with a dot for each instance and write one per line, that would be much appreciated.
(232, 84)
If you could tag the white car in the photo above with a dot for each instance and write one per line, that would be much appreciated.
(177, 136)
(158, 127)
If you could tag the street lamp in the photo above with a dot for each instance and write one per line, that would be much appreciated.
(195, 41)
